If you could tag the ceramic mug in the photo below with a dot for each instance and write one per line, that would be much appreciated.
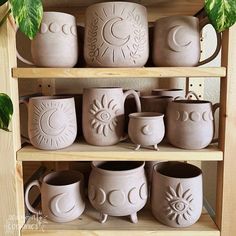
(190, 123)
(62, 196)
(177, 41)
(176, 193)
(116, 35)
(146, 129)
(51, 122)
(118, 188)
(174, 92)
(103, 114)
(56, 44)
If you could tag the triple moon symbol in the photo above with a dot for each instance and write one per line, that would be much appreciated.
(146, 130)
(50, 123)
(172, 39)
(55, 208)
(109, 34)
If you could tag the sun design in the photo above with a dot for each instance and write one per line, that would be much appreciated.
(104, 115)
(179, 204)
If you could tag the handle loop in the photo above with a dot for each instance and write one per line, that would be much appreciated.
(214, 108)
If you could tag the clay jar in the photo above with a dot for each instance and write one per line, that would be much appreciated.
(116, 35)
(118, 188)
(103, 114)
(56, 44)
(51, 122)
(61, 196)
(169, 92)
(146, 129)
(176, 194)
(177, 41)
(190, 123)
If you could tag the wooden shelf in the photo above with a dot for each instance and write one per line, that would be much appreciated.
(143, 72)
(88, 224)
(82, 151)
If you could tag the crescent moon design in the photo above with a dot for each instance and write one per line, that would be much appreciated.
(46, 123)
(109, 35)
(172, 42)
(55, 208)
(146, 130)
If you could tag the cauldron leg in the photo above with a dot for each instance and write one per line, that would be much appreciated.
(103, 218)
(156, 147)
(137, 147)
(134, 218)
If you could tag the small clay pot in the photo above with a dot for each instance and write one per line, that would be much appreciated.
(118, 188)
(169, 92)
(146, 129)
(176, 194)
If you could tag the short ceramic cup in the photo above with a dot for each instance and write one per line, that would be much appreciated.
(146, 129)
(174, 92)
(118, 188)
(51, 122)
(177, 41)
(62, 196)
(177, 193)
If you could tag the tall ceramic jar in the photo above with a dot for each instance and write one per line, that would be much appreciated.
(116, 35)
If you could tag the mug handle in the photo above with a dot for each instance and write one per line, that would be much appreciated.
(214, 108)
(136, 97)
(203, 23)
(28, 205)
(22, 58)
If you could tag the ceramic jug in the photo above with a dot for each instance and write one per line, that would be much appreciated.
(190, 123)
(62, 196)
(177, 41)
(103, 114)
(174, 92)
(116, 35)
(118, 188)
(56, 44)
(51, 122)
(176, 193)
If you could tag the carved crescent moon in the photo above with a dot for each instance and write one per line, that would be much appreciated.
(146, 130)
(172, 42)
(45, 123)
(55, 208)
(109, 35)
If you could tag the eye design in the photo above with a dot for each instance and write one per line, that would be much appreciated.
(104, 115)
(179, 204)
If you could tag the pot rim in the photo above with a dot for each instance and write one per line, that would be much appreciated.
(155, 97)
(168, 90)
(58, 12)
(146, 115)
(51, 98)
(177, 16)
(191, 102)
(95, 167)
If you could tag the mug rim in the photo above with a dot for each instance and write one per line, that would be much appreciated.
(103, 88)
(146, 115)
(59, 12)
(77, 175)
(192, 102)
(168, 90)
(155, 97)
(52, 98)
(176, 16)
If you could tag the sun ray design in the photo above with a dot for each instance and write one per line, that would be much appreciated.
(179, 203)
(104, 115)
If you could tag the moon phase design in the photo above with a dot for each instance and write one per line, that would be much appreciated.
(55, 207)
(172, 39)
(143, 192)
(133, 195)
(109, 34)
(146, 130)
(194, 116)
(116, 198)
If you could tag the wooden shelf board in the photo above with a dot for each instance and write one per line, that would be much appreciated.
(143, 72)
(88, 225)
(80, 151)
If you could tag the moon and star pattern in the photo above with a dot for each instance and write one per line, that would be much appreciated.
(53, 125)
(116, 34)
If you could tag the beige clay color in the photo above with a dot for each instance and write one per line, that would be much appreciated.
(174, 92)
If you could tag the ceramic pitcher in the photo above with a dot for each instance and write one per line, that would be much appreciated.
(176, 193)
(177, 41)
(51, 122)
(56, 44)
(190, 123)
(62, 196)
(116, 35)
(103, 114)
(118, 188)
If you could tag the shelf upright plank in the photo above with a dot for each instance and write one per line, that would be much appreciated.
(226, 191)
(11, 187)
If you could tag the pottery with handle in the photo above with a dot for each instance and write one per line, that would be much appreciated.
(172, 92)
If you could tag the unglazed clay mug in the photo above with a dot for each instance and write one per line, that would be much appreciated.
(176, 193)
(51, 122)
(190, 123)
(62, 196)
(118, 188)
(146, 129)
(103, 114)
(177, 41)
(56, 44)
(169, 92)
(116, 35)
